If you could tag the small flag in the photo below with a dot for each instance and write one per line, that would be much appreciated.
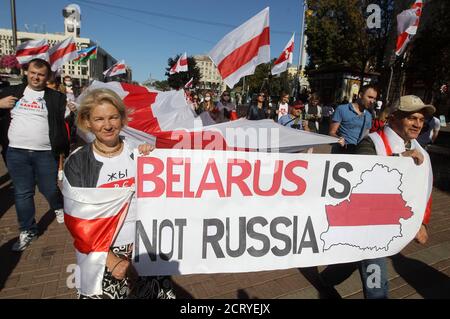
(62, 52)
(285, 58)
(32, 49)
(181, 65)
(407, 24)
(116, 69)
(188, 85)
(244, 48)
(86, 54)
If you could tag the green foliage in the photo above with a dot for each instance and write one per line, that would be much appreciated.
(178, 80)
(161, 85)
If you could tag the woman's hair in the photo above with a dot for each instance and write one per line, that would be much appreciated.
(96, 97)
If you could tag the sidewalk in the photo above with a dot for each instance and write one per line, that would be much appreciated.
(41, 270)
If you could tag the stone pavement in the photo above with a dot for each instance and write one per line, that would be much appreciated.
(41, 270)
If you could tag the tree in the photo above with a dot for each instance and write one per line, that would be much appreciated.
(338, 32)
(178, 80)
(161, 85)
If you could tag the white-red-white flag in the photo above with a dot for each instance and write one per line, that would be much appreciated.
(93, 217)
(166, 120)
(189, 83)
(285, 58)
(62, 52)
(181, 65)
(241, 50)
(407, 24)
(32, 49)
(118, 68)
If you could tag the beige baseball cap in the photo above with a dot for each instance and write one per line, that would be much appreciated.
(410, 104)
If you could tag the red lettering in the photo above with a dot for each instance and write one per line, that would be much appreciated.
(187, 179)
(216, 185)
(158, 167)
(295, 179)
(276, 179)
(171, 177)
(239, 179)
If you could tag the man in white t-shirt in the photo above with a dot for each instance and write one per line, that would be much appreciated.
(283, 106)
(37, 136)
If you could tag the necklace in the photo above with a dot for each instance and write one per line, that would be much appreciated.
(108, 153)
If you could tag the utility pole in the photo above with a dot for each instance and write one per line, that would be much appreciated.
(13, 23)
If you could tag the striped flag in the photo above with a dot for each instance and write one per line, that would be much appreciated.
(407, 24)
(86, 54)
(116, 69)
(62, 52)
(188, 85)
(285, 58)
(32, 49)
(241, 50)
(181, 65)
(94, 216)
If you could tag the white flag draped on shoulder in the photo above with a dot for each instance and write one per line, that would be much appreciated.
(62, 52)
(244, 48)
(285, 58)
(94, 216)
(407, 24)
(181, 65)
(32, 49)
(118, 68)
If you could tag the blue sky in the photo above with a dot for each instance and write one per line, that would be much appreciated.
(146, 33)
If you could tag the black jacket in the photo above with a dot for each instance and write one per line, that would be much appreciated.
(56, 106)
(82, 169)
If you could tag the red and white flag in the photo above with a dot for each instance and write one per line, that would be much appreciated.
(167, 120)
(285, 58)
(189, 83)
(407, 24)
(181, 65)
(241, 50)
(116, 69)
(32, 49)
(62, 52)
(94, 216)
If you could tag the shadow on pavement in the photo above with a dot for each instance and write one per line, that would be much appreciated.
(6, 195)
(427, 281)
(10, 259)
(330, 277)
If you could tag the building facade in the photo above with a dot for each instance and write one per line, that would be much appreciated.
(210, 78)
(81, 72)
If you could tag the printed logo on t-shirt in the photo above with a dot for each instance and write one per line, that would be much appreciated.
(34, 106)
(118, 179)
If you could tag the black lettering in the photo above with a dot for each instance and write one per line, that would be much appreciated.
(149, 247)
(166, 223)
(258, 236)
(283, 237)
(339, 195)
(325, 178)
(180, 223)
(242, 238)
(312, 242)
(213, 240)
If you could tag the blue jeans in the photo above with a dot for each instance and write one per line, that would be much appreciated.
(374, 278)
(27, 168)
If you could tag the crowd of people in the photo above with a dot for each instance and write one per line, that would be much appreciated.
(39, 122)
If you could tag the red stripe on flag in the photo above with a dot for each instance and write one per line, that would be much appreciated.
(93, 235)
(283, 56)
(183, 62)
(368, 209)
(62, 52)
(243, 54)
(32, 51)
(401, 41)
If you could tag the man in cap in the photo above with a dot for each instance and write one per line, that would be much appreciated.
(398, 138)
(294, 119)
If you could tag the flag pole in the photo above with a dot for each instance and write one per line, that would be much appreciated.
(300, 50)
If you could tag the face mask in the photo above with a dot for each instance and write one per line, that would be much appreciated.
(68, 83)
(207, 98)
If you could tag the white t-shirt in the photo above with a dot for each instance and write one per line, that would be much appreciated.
(29, 122)
(430, 125)
(120, 171)
(283, 109)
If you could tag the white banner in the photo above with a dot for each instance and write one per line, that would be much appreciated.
(219, 212)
